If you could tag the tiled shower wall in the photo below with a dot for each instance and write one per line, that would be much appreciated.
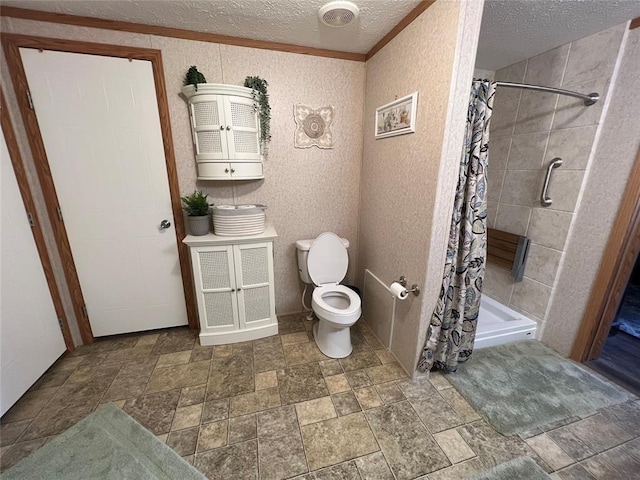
(602, 196)
(528, 130)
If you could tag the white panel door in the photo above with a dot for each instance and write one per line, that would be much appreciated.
(30, 337)
(101, 130)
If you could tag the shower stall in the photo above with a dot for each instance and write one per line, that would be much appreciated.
(555, 115)
(497, 323)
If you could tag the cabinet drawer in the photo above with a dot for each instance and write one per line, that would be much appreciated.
(229, 171)
(214, 171)
(247, 170)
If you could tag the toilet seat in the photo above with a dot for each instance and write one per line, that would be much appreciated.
(340, 316)
(328, 260)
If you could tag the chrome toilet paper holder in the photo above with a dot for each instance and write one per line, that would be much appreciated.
(414, 288)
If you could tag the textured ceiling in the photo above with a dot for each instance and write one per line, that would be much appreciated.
(513, 30)
(287, 21)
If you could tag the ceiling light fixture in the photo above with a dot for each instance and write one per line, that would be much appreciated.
(338, 14)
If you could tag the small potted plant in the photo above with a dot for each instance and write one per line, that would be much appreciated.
(194, 77)
(197, 209)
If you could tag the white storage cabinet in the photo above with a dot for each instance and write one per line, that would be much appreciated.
(234, 286)
(226, 132)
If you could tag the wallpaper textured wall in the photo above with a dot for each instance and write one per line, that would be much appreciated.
(307, 191)
(407, 184)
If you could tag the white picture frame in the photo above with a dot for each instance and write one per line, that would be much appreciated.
(397, 117)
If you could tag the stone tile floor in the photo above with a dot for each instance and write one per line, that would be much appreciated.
(278, 408)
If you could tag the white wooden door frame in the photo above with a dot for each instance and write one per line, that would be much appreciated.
(12, 44)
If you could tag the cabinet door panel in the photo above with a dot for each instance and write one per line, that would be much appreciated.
(256, 303)
(220, 309)
(207, 118)
(215, 278)
(244, 137)
(254, 264)
(255, 283)
(206, 112)
(209, 145)
(215, 269)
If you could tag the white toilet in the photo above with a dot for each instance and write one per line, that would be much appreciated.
(324, 263)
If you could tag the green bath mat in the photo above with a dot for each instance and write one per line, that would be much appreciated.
(523, 385)
(521, 468)
(108, 444)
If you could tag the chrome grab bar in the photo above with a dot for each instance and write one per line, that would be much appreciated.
(544, 199)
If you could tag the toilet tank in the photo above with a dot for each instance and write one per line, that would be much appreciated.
(302, 247)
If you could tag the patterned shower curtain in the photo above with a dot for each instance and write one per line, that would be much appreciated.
(453, 324)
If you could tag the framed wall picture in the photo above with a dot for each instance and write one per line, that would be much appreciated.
(397, 117)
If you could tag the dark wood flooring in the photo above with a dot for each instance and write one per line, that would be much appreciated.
(620, 361)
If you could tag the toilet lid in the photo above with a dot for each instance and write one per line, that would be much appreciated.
(328, 259)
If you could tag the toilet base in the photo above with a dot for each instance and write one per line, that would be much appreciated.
(334, 342)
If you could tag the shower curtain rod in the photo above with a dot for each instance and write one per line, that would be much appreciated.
(589, 99)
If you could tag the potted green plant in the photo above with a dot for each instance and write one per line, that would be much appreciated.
(197, 210)
(194, 77)
(261, 97)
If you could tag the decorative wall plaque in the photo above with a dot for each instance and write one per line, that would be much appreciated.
(313, 126)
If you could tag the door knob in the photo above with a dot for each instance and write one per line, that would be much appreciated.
(228, 127)
(165, 224)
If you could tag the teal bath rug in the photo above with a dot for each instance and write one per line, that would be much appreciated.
(108, 444)
(521, 468)
(523, 385)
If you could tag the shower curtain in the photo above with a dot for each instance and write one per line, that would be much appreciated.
(452, 329)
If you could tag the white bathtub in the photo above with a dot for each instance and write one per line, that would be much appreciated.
(498, 324)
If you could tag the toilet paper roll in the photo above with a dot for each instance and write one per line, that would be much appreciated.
(399, 291)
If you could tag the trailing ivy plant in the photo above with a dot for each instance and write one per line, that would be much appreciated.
(194, 77)
(196, 204)
(261, 97)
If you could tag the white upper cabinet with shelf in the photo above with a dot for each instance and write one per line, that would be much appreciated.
(226, 131)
